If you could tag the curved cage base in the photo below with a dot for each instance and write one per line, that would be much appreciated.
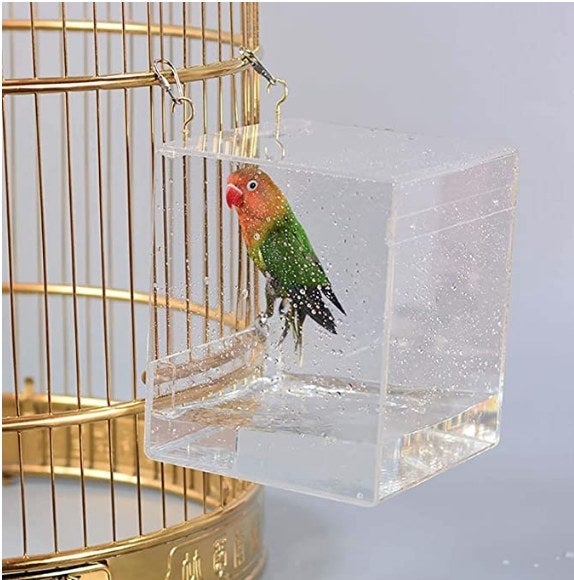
(230, 531)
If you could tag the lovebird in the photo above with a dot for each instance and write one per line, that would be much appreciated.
(280, 249)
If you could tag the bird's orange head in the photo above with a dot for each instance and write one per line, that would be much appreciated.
(254, 194)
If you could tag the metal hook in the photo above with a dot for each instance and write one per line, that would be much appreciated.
(190, 114)
(180, 98)
(268, 156)
(278, 103)
(165, 83)
(249, 56)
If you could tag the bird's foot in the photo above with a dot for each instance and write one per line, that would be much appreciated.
(262, 322)
(285, 331)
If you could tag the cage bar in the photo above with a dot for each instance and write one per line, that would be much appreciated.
(82, 117)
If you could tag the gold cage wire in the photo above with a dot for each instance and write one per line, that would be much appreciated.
(82, 116)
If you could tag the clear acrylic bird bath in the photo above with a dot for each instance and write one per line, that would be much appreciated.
(415, 235)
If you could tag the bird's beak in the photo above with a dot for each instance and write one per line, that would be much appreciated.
(233, 195)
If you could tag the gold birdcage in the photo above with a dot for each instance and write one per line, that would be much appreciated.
(82, 116)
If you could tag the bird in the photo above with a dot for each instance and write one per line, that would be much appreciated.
(279, 247)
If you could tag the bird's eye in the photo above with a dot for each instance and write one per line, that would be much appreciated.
(252, 185)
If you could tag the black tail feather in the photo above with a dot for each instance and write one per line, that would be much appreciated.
(328, 292)
(309, 302)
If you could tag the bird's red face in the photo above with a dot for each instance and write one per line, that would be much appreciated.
(253, 193)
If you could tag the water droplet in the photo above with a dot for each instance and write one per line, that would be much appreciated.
(256, 236)
(569, 555)
(206, 280)
(244, 294)
(505, 562)
(360, 495)
(536, 565)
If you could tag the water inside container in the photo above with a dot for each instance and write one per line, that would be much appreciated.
(322, 433)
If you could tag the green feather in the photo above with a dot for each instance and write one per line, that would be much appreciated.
(288, 256)
(294, 273)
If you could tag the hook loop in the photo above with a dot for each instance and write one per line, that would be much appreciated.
(250, 57)
(187, 103)
(177, 99)
(165, 83)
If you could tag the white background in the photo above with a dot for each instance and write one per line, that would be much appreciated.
(473, 71)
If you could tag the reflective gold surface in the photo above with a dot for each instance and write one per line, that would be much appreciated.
(140, 28)
(118, 81)
(154, 555)
(62, 323)
(229, 319)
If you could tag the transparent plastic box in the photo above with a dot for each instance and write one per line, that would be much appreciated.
(415, 235)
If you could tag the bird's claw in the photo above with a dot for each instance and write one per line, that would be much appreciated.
(262, 322)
